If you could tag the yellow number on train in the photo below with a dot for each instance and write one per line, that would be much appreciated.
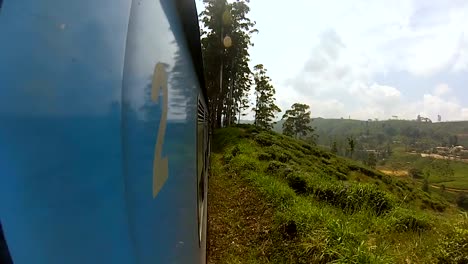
(160, 164)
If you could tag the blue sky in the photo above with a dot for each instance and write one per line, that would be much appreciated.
(366, 59)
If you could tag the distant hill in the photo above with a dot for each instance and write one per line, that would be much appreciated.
(377, 133)
(274, 199)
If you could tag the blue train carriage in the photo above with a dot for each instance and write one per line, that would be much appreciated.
(103, 132)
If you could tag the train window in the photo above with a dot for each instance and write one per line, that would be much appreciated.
(4, 252)
(1, 4)
(207, 148)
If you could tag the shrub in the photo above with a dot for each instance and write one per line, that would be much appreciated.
(434, 205)
(227, 157)
(250, 129)
(341, 167)
(297, 183)
(264, 139)
(285, 171)
(278, 153)
(454, 247)
(354, 198)
(242, 163)
(264, 156)
(275, 166)
(372, 197)
(226, 137)
(425, 186)
(415, 173)
(282, 157)
(462, 201)
(235, 151)
(325, 155)
(404, 220)
(307, 146)
(340, 176)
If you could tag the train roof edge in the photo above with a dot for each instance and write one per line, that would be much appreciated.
(188, 14)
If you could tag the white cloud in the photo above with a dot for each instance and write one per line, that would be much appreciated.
(422, 39)
(427, 40)
(461, 60)
(432, 105)
(375, 93)
(330, 68)
(326, 108)
(442, 89)
(336, 83)
(420, 58)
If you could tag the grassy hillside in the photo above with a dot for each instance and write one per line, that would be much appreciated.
(394, 140)
(277, 200)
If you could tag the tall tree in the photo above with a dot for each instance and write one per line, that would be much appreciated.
(297, 121)
(226, 37)
(334, 148)
(371, 160)
(453, 140)
(351, 145)
(265, 107)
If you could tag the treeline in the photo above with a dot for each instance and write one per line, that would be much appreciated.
(380, 135)
(226, 36)
(374, 141)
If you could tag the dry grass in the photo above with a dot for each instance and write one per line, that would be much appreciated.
(398, 173)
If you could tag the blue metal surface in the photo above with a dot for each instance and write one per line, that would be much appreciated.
(78, 132)
(163, 229)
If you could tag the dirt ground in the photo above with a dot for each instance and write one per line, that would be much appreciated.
(237, 219)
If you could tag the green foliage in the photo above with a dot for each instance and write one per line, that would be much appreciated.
(275, 166)
(242, 163)
(462, 201)
(229, 137)
(276, 153)
(332, 209)
(351, 146)
(265, 107)
(415, 173)
(297, 121)
(425, 186)
(227, 73)
(263, 156)
(264, 139)
(334, 148)
(371, 160)
(454, 247)
(404, 220)
(353, 198)
(385, 137)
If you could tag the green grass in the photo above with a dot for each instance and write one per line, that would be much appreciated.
(330, 209)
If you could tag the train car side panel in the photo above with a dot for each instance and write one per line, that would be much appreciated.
(159, 130)
(61, 184)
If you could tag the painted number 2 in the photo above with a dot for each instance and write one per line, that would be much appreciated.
(160, 164)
